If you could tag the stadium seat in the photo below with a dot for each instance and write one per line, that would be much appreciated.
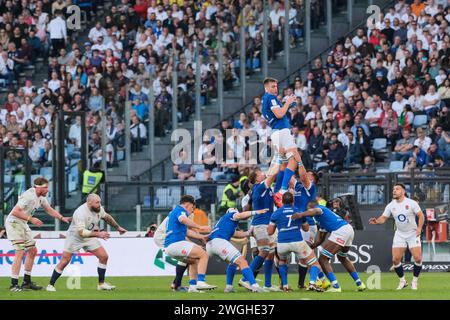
(420, 120)
(216, 175)
(175, 195)
(396, 166)
(199, 176)
(46, 171)
(162, 198)
(34, 176)
(446, 193)
(379, 144)
(192, 191)
(321, 165)
(198, 167)
(220, 189)
(70, 147)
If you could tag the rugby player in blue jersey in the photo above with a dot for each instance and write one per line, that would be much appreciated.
(219, 245)
(177, 247)
(305, 190)
(290, 240)
(338, 242)
(275, 114)
(262, 198)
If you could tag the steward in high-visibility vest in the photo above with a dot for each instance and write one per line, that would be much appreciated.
(243, 184)
(92, 178)
(230, 195)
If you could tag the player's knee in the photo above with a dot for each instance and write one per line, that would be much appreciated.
(241, 262)
(418, 259)
(104, 258)
(32, 251)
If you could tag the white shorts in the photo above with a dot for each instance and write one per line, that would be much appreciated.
(343, 236)
(253, 242)
(159, 238)
(260, 233)
(309, 236)
(73, 245)
(180, 250)
(283, 139)
(402, 240)
(19, 233)
(299, 248)
(223, 249)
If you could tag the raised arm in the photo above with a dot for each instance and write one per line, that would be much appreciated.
(280, 112)
(308, 213)
(246, 214)
(191, 224)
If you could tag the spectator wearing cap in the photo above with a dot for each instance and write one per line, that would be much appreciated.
(58, 32)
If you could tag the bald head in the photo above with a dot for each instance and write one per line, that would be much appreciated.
(94, 202)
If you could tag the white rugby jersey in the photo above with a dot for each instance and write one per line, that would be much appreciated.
(161, 230)
(29, 202)
(83, 218)
(404, 214)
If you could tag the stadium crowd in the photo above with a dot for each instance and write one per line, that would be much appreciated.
(132, 44)
(387, 87)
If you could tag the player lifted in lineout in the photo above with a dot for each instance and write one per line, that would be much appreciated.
(176, 246)
(407, 235)
(82, 234)
(290, 240)
(219, 244)
(339, 242)
(281, 136)
(19, 233)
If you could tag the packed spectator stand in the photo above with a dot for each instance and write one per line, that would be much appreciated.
(382, 94)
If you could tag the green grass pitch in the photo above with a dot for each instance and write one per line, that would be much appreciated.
(432, 286)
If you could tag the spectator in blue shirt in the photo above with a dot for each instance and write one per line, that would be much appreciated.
(141, 108)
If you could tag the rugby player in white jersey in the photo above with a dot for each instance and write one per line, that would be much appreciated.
(407, 235)
(82, 234)
(19, 233)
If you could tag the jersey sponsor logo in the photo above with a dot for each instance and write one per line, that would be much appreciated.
(183, 252)
(340, 241)
(401, 218)
(274, 102)
(224, 251)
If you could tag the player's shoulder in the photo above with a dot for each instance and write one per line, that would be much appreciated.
(412, 202)
(29, 194)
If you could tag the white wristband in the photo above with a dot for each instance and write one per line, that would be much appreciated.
(253, 212)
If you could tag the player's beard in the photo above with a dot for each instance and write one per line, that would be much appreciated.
(96, 210)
